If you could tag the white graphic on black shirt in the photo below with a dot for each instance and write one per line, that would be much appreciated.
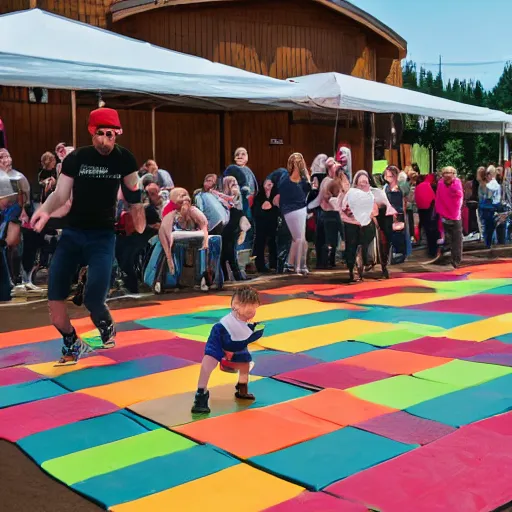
(93, 171)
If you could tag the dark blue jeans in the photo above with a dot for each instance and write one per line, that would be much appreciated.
(92, 248)
(5, 280)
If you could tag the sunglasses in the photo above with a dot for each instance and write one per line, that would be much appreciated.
(106, 133)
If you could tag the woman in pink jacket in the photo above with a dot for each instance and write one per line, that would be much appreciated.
(449, 198)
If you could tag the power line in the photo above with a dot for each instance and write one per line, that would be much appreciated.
(461, 64)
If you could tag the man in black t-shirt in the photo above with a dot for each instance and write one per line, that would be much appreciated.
(91, 177)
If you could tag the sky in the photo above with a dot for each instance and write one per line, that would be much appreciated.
(461, 31)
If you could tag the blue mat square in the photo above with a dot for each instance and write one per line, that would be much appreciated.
(79, 436)
(282, 325)
(271, 392)
(340, 350)
(101, 375)
(468, 405)
(17, 394)
(155, 475)
(171, 322)
(322, 461)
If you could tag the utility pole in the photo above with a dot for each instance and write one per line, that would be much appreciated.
(440, 66)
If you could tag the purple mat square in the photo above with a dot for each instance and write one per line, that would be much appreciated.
(447, 347)
(274, 364)
(501, 359)
(406, 428)
(332, 375)
(130, 326)
(177, 347)
(31, 353)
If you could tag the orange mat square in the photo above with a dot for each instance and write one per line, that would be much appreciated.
(256, 432)
(333, 405)
(394, 361)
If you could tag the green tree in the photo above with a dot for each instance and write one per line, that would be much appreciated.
(452, 154)
(449, 92)
(479, 94)
(501, 96)
(410, 76)
(438, 88)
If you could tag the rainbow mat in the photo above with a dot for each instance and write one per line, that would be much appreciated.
(375, 396)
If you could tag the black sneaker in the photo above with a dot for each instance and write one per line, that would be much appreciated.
(108, 334)
(201, 403)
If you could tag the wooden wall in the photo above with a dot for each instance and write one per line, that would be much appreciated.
(279, 38)
(94, 12)
(13, 5)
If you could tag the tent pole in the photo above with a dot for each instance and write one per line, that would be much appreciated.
(153, 131)
(335, 137)
(73, 116)
(500, 158)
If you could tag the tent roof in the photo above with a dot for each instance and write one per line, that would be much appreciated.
(337, 91)
(38, 48)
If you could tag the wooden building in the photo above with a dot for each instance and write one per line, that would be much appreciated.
(279, 38)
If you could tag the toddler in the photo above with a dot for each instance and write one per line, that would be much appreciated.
(227, 345)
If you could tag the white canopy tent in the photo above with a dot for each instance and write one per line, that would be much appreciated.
(40, 49)
(337, 91)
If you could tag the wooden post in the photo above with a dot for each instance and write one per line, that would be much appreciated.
(33, 4)
(225, 140)
(73, 116)
(153, 132)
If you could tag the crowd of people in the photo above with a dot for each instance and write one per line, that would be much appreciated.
(297, 211)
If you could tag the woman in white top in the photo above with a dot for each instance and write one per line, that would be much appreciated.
(358, 209)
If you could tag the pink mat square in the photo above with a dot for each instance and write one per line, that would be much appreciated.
(481, 304)
(447, 347)
(467, 471)
(406, 428)
(27, 419)
(316, 502)
(9, 376)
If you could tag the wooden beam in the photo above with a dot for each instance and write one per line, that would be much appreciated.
(73, 116)
(153, 132)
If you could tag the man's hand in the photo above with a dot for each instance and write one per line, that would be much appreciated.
(39, 220)
(170, 264)
(205, 244)
(266, 205)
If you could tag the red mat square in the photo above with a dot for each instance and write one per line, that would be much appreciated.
(394, 362)
(332, 375)
(27, 419)
(467, 471)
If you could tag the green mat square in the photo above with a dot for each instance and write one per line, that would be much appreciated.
(106, 458)
(401, 392)
(464, 373)
(199, 333)
(470, 286)
(406, 331)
